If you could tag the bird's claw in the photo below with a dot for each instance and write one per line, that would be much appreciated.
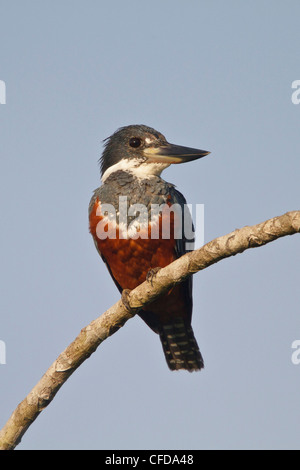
(124, 298)
(151, 274)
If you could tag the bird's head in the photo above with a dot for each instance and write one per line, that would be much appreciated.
(143, 151)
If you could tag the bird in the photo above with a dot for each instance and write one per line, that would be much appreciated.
(132, 238)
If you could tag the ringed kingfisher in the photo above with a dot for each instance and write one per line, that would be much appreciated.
(134, 248)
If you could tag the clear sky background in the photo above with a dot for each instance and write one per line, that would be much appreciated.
(215, 75)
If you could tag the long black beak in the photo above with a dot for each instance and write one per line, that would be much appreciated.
(169, 153)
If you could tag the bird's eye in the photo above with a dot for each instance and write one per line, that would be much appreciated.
(135, 142)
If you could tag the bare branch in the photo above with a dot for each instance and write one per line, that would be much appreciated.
(114, 318)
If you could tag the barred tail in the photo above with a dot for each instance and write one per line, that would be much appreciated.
(180, 346)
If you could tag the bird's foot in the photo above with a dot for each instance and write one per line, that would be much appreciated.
(152, 274)
(125, 300)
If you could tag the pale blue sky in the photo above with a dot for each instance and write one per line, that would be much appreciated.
(215, 75)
